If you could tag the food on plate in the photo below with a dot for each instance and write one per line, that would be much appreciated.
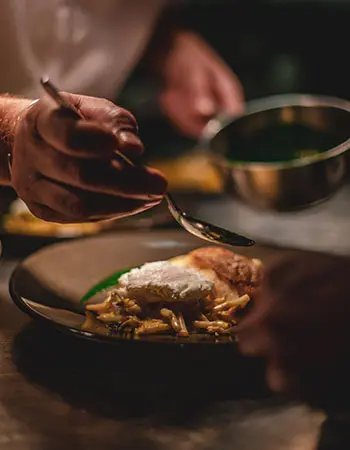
(199, 292)
(20, 220)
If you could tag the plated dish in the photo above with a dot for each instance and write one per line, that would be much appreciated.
(50, 284)
(200, 292)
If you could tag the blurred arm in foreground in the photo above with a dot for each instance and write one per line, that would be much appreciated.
(300, 325)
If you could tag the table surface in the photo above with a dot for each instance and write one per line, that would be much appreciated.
(60, 392)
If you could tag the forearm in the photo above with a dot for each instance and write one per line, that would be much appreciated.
(11, 109)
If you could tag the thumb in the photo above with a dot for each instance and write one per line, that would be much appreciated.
(229, 93)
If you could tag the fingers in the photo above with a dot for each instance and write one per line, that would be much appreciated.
(64, 132)
(201, 96)
(104, 177)
(100, 109)
(49, 215)
(120, 121)
(105, 128)
(206, 94)
(129, 144)
(124, 127)
(64, 204)
(176, 106)
(228, 92)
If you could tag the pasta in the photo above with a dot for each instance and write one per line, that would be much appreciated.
(141, 305)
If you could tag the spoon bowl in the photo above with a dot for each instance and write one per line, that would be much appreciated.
(205, 230)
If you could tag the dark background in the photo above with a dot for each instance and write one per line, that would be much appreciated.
(275, 47)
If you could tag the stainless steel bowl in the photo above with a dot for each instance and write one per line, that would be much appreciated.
(287, 185)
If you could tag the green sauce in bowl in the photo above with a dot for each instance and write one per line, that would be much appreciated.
(280, 143)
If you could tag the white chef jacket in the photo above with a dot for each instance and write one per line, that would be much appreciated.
(85, 46)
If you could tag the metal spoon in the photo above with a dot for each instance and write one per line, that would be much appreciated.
(199, 228)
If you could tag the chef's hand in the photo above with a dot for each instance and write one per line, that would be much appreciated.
(197, 84)
(301, 325)
(64, 167)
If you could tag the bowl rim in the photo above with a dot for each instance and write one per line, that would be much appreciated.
(221, 121)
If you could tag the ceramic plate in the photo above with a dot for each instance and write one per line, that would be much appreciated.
(50, 284)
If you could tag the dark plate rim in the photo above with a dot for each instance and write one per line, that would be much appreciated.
(20, 303)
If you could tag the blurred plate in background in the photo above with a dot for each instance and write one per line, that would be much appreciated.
(23, 233)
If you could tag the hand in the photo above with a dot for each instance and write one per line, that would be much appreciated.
(300, 324)
(197, 85)
(65, 169)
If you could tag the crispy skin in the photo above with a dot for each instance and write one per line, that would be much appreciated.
(245, 274)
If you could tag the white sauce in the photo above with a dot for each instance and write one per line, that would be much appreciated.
(163, 281)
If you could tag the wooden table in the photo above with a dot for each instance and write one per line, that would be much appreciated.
(59, 392)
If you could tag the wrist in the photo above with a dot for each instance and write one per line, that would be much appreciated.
(11, 112)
